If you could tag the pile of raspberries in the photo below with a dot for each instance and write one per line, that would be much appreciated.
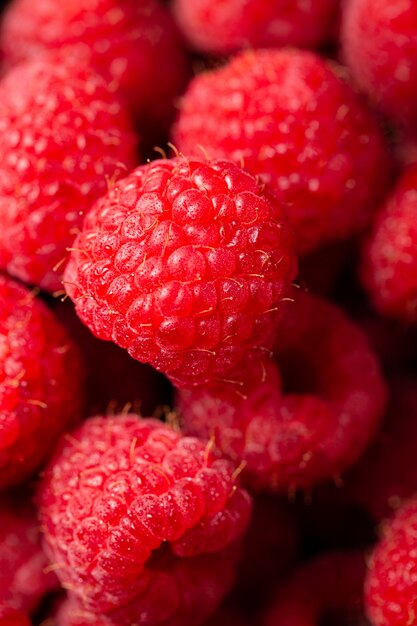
(208, 313)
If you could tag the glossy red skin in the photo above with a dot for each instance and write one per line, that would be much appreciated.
(380, 47)
(64, 138)
(229, 25)
(24, 576)
(116, 490)
(185, 264)
(134, 45)
(291, 118)
(391, 583)
(389, 264)
(41, 382)
(318, 426)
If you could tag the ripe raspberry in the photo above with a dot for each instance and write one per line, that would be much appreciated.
(63, 135)
(178, 592)
(223, 27)
(390, 256)
(40, 382)
(395, 447)
(23, 581)
(380, 46)
(327, 590)
(117, 489)
(391, 584)
(134, 45)
(289, 117)
(11, 617)
(184, 264)
(334, 397)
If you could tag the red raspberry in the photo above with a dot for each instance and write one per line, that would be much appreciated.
(223, 27)
(391, 585)
(380, 46)
(395, 447)
(11, 617)
(63, 136)
(184, 264)
(134, 45)
(333, 401)
(40, 382)
(117, 489)
(327, 590)
(390, 255)
(289, 117)
(178, 592)
(23, 566)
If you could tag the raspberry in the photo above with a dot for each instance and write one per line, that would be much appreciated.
(40, 382)
(117, 489)
(395, 447)
(63, 135)
(290, 118)
(11, 617)
(391, 584)
(380, 46)
(321, 424)
(134, 45)
(327, 590)
(178, 592)
(223, 27)
(184, 264)
(23, 581)
(390, 259)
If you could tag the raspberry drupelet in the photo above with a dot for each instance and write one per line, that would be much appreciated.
(389, 269)
(177, 592)
(391, 583)
(380, 47)
(184, 263)
(23, 566)
(41, 382)
(291, 118)
(63, 136)
(119, 490)
(318, 425)
(326, 590)
(134, 45)
(224, 27)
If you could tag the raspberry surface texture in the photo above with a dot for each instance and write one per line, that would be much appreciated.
(41, 382)
(391, 583)
(23, 581)
(314, 426)
(380, 47)
(63, 136)
(390, 255)
(184, 263)
(120, 487)
(291, 118)
(178, 592)
(223, 27)
(327, 590)
(134, 45)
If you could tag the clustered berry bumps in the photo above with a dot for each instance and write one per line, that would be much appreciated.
(208, 307)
